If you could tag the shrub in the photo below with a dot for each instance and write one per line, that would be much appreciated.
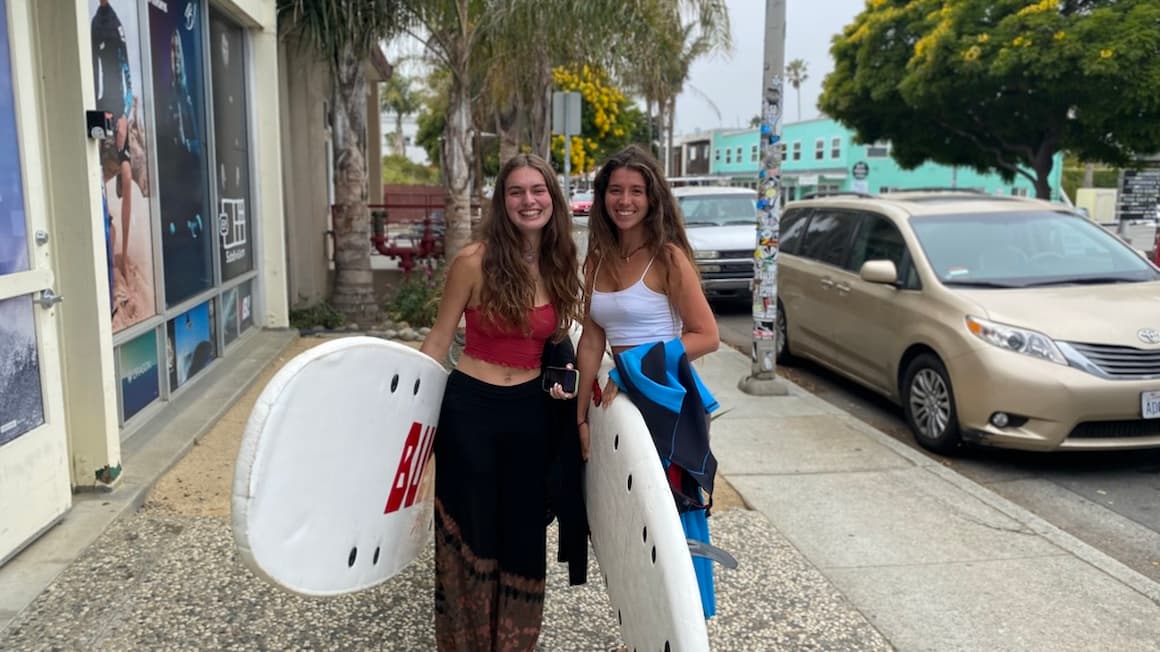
(416, 299)
(320, 315)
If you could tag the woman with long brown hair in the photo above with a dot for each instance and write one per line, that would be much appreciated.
(643, 296)
(516, 287)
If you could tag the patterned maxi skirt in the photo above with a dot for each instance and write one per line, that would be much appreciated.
(490, 532)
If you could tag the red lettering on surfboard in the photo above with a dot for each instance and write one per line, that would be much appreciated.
(412, 464)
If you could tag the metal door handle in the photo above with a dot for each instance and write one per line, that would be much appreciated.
(827, 283)
(843, 288)
(48, 298)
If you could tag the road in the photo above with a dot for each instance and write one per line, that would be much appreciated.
(1109, 500)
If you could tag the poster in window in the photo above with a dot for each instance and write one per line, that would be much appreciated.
(237, 312)
(13, 230)
(140, 380)
(21, 400)
(118, 83)
(190, 345)
(175, 33)
(228, 73)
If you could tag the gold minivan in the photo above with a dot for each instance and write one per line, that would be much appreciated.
(999, 320)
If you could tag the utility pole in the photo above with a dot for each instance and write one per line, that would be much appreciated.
(761, 380)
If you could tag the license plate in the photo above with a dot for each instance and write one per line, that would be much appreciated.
(1150, 404)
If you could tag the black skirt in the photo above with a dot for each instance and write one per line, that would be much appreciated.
(491, 453)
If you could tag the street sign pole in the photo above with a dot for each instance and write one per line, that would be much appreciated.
(566, 121)
(761, 380)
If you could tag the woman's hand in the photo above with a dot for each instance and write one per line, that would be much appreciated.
(610, 391)
(557, 391)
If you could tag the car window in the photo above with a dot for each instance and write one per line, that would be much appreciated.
(791, 229)
(719, 210)
(1019, 249)
(877, 239)
(828, 235)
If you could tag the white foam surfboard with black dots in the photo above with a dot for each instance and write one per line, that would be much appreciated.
(637, 535)
(333, 486)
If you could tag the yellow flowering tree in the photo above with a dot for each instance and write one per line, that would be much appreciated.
(1001, 85)
(607, 120)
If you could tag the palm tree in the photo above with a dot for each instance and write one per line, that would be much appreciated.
(344, 34)
(667, 49)
(795, 74)
(400, 98)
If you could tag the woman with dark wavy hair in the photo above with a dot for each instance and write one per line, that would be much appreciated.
(517, 287)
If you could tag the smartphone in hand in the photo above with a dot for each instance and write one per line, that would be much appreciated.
(569, 379)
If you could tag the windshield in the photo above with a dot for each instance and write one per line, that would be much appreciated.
(718, 210)
(582, 196)
(1025, 249)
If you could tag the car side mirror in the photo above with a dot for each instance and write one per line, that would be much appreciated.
(879, 271)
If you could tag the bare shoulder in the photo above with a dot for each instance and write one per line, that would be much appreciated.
(470, 257)
(678, 257)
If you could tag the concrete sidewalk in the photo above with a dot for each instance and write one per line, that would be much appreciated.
(855, 542)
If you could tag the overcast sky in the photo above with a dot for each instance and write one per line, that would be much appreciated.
(734, 83)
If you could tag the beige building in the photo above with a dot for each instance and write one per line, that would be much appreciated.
(159, 160)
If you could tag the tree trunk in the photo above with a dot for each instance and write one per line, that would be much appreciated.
(541, 110)
(669, 147)
(660, 139)
(400, 143)
(1089, 174)
(455, 162)
(1043, 164)
(507, 128)
(353, 293)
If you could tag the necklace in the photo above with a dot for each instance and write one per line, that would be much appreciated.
(528, 256)
(629, 254)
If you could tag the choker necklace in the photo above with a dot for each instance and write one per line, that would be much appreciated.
(629, 254)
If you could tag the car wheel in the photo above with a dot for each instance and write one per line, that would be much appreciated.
(929, 403)
(784, 356)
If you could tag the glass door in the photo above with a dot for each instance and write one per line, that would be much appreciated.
(35, 489)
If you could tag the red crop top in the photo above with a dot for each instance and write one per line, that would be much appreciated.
(509, 347)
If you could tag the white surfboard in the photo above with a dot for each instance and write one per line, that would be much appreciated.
(637, 535)
(333, 487)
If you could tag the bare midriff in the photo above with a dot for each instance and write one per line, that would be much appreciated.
(495, 374)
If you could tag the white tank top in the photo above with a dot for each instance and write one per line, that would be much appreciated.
(635, 315)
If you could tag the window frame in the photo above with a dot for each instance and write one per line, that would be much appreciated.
(908, 278)
(820, 149)
(839, 263)
(791, 217)
(836, 147)
(878, 149)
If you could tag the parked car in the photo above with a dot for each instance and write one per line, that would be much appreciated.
(722, 226)
(997, 320)
(581, 203)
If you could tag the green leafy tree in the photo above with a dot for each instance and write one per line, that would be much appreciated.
(1001, 85)
(796, 74)
(343, 34)
(605, 122)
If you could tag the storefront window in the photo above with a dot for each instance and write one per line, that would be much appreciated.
(175, 34)
(190, 346)
(140, 380)
(228, 71)
(119, 84)
(237, 311)
(13, 232)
